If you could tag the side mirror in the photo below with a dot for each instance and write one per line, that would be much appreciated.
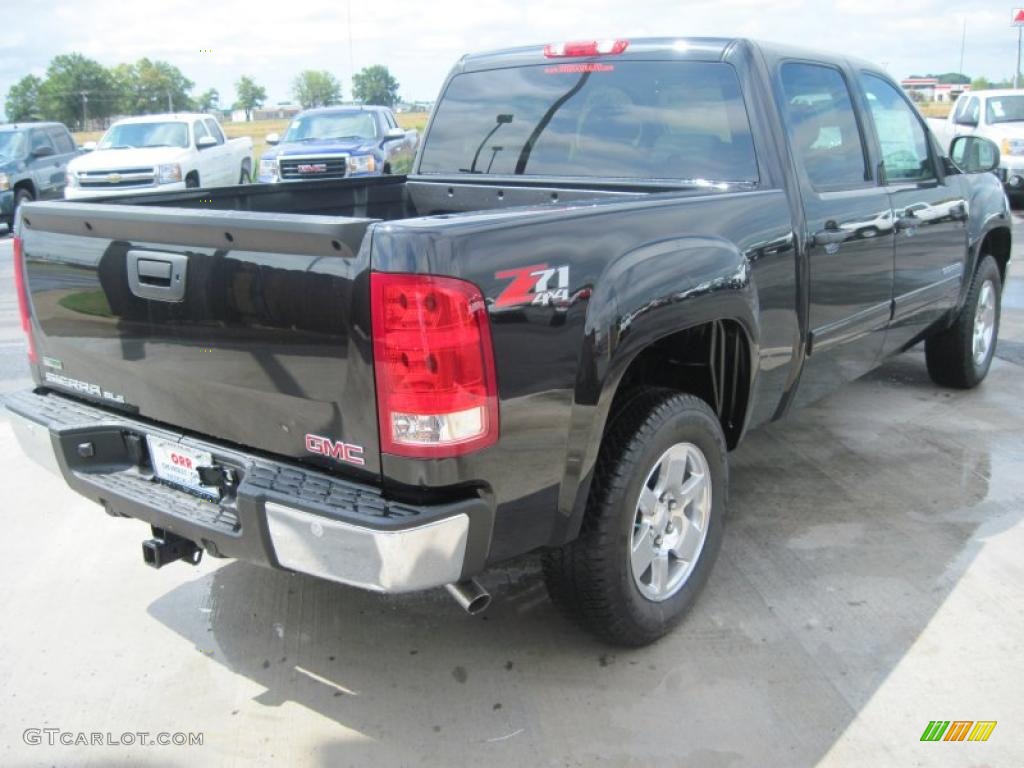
(394, 133)
(974, 154)
(273, 138)
(968, 121)
(89, 146)
(43, 151)
(205, 142)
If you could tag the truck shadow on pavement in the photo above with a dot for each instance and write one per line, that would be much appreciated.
(849, 526)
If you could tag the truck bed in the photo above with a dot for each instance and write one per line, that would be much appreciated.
(257, 349)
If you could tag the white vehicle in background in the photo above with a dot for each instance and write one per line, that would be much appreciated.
(159, 153)
(997, 115)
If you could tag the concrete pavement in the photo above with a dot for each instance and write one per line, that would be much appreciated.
(870, 582)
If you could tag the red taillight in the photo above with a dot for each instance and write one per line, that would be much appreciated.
(585, 48)
(21, 288)
(437, 394)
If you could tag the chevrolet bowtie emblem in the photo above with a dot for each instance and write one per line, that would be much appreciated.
(113, 178)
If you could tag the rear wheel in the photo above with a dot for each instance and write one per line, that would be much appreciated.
(961, 355)
(653, 523)
(245, 177)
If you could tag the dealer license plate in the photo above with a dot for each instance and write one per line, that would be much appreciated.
(176, 464)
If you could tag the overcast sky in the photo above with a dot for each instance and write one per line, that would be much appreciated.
(419, 40)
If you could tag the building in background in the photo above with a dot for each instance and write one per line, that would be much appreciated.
(930, 89)
(269, 112)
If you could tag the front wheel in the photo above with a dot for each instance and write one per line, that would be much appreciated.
(961, 355)
(653, 524)
(21, 195)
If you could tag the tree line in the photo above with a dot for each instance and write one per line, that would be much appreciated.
(77, 90)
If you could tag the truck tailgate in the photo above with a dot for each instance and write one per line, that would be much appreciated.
(249, 327)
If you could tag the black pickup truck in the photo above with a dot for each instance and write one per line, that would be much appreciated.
(612, 259)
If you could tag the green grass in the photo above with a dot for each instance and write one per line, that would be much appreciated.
(87, 303)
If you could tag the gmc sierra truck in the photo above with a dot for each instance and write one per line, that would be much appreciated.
(611, 260)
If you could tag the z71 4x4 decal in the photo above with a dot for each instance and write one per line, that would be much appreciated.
(539, 284)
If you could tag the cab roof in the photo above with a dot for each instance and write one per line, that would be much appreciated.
(658, 49)
(29, 124)
(164, 117)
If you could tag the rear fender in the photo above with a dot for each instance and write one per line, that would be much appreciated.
(652, 292)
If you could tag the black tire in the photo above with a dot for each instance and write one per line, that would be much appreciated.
(950, 353)
(21, 195)
(245, 177)
(191, 181)
(591, 578)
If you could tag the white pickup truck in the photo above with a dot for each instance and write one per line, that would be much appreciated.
(998, 115)
(159, 153)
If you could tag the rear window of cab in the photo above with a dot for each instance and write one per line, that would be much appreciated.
(683, 121)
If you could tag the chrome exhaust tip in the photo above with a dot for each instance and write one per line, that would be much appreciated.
(470, 595)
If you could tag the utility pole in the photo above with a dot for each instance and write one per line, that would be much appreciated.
(85, 110)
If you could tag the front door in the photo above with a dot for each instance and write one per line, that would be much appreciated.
(850, 229)
(930, 211)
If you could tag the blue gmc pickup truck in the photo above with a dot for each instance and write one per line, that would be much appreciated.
(337, 143)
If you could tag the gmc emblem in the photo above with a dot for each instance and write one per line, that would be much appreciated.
(335, 449)
(312, 168)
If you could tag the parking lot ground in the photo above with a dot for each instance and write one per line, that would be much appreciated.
(871, 581)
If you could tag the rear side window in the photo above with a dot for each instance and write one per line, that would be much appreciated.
(629, 120)
(822, 126)
(901, 137)
(61, 140)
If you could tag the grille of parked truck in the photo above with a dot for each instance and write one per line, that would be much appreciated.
(611, 260)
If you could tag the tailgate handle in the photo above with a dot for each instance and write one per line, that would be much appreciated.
(157, 276)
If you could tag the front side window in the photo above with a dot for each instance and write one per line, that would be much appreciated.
(199, 131)
(822, 126)
(61, 140)
(902, 138)
(214, 129)
(40, 140)
(681, 121)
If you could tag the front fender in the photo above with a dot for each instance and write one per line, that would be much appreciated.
(654, 291)
(989, 209)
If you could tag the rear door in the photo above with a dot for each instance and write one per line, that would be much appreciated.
(849, 223)
(930, 213)
(227, 173)
(44, 164)
(66, 152)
